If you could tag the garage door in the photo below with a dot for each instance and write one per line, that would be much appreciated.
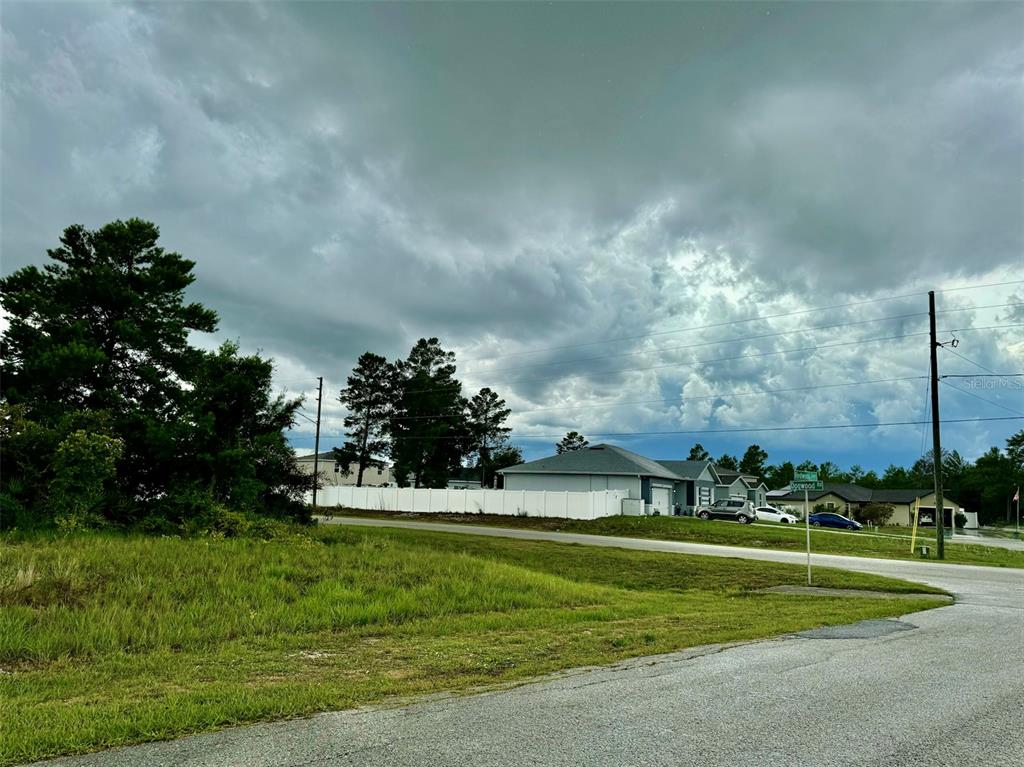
(660, 499)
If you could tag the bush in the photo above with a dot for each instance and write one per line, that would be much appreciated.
(961, 520)
(84, 468)
(877, 514)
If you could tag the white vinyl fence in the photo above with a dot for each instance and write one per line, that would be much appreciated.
(531, 503)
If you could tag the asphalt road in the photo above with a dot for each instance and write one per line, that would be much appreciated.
(943, 687)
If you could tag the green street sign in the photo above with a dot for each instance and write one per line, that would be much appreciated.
(812, 485)
(805, 476)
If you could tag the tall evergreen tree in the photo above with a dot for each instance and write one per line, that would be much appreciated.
(572, 440)
(428, 431)
(368, 396)
(486, 414)
(698, 453)
(753, 461)
(728, 462)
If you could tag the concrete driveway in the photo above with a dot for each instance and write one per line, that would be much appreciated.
(943, 687)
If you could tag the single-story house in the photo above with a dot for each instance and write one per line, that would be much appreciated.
(846, 498)
(697, 488)
(332, 473)
(599, 467)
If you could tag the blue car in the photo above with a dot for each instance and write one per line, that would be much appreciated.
(828, 519)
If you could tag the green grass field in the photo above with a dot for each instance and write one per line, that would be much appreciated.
(759, 536)
(108, 640)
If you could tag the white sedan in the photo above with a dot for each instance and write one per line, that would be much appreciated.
(771, 514)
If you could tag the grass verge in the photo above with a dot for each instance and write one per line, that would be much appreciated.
(723, 533)
(108, 640)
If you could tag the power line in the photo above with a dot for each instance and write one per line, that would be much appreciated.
(967, 359)
(703, 397)
(738, 321)
(822, 427)
(978, 375)
(703, 343)
(697, 363)
(983, 399)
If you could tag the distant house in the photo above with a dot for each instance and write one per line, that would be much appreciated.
(599, 467)
(334, 474)
(846, 498)
(465, 479)
(734, 484)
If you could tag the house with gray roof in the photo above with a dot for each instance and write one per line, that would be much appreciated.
(735, 484)
(599, 467)
(699, 480)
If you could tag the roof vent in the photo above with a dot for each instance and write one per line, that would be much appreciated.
(597, 448)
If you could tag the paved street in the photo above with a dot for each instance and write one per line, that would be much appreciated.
(943, 687)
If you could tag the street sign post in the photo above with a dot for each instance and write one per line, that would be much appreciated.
(806, 481)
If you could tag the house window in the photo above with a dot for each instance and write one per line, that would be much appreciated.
(337, 468)
(830, 505)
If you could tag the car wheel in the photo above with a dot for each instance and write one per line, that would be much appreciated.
(815, 524)
(703, 515)
(743, 520)
(784, 521)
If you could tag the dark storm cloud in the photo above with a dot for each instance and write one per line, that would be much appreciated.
(509, 177)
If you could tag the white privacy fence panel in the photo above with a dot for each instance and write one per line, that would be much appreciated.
(531, 503)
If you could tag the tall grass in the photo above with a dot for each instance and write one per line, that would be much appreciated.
(107, 640)
(137, 594)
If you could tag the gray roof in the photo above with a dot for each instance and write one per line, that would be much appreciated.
(596, 459)
(901, 496)
(848, 492)
(728, 476)
(857, 494)
(688, 469)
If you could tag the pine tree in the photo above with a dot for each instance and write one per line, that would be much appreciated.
(698, 453)
(429, 435)
(368, 396)
(573, 440)
(485, 416)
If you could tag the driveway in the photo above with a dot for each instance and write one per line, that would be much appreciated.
(943, 687)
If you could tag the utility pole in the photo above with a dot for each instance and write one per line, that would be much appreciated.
(940, 506)
(316, 440)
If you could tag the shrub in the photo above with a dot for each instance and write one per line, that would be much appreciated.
(84, 468)
(877, 514)
(961, 520)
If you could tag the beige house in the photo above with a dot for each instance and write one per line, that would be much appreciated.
(333, 474)
(846, 499)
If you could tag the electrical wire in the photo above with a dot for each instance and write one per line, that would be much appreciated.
(984, 399)
(822, 427)
(667, 400)
(738, 321)
(696, 363)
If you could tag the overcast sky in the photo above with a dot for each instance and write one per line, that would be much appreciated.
(531, 182)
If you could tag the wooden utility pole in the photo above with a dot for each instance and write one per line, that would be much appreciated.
(940, 510)
(316, 440)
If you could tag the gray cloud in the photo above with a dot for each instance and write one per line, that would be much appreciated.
(511, 177)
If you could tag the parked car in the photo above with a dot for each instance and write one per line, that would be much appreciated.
(729, 508)
(830, 519)
(771, 514)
